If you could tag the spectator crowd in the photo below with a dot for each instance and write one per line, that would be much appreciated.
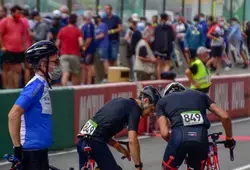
(153, 49)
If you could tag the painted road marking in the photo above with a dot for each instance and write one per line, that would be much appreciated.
(140, 137)
(243, 167)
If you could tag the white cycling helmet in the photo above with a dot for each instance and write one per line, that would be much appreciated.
(56, 14)
(173, 87)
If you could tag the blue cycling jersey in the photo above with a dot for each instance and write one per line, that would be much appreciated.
(36, 124)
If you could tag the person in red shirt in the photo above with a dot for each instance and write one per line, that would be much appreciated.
(12, 38)
(69, 40)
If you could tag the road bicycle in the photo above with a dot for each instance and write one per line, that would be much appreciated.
(90, 163)
(213, 158)
(212, 162)
(13, 159)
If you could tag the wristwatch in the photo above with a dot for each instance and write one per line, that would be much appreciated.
(139, 166)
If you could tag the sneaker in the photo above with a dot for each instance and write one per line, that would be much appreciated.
(104, 81)
(245, 66)
(227, 68)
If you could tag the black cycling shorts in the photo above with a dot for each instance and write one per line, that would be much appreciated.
(191, 141)
(35, 160)
(13, 57)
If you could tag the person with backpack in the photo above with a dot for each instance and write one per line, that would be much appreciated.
(163, 45)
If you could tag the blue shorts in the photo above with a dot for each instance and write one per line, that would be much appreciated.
(102, 53)
(186, 140)
(113, 50)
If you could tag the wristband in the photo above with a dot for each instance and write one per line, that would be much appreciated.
(139, 166)
(229, 138)
(112, 31)
(116, 145)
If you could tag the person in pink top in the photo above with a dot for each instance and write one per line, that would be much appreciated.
(12, 41)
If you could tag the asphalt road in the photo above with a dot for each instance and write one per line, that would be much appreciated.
(152, 149)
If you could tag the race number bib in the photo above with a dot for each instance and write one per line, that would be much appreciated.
(89, 127)
(192, 118)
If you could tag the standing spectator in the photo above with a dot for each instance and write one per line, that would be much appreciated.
(114, 25)
(155, 20)
(144, 57)
(88, 30)
(12, 38)
(136, 36)
(56, 25)
(102, 43)
(194, 38)
(216, 34)
(203, 24)
(65, 14)
(163, 45)
(40, 30)
(236, 39)
(69, 40)
(3, 12)
(248, 36)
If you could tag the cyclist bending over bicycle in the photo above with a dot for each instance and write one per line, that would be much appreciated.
(186, 111)
(111, 119)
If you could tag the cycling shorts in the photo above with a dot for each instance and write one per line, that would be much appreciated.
(99, 152)
(191, 141)
(37, 160)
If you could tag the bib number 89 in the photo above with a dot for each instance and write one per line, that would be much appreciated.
(190, 119)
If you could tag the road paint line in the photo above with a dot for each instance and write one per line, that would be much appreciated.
(140, 137)
(71, 151)
(243, 167)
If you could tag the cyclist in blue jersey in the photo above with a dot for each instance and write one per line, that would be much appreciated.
(30, 121)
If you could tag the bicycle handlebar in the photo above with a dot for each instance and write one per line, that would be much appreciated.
(231, 151)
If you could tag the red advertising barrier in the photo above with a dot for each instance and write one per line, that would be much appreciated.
(89, 99)
(231, 93)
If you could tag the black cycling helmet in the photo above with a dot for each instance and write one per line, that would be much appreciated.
(39, 50)
(173, 87)
(152, 93)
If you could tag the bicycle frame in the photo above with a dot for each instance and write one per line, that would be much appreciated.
(90, 164)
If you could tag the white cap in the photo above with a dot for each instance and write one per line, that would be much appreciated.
(202, 50)
(135, 17)
(87, 14)
(56, 14)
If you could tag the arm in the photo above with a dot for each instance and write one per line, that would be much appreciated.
(80, 41)
(164, 127)
(14, 124)
(134, 146)
(190, 78)
(117, 30)
(225, 118)
(87, 43)
(41, 33)
(58, 43)
(100, 36)
(187, 36)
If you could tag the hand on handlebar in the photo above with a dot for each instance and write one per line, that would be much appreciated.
(230, 144)
(124, 151)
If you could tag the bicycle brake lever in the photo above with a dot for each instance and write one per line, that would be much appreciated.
(231, 154)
